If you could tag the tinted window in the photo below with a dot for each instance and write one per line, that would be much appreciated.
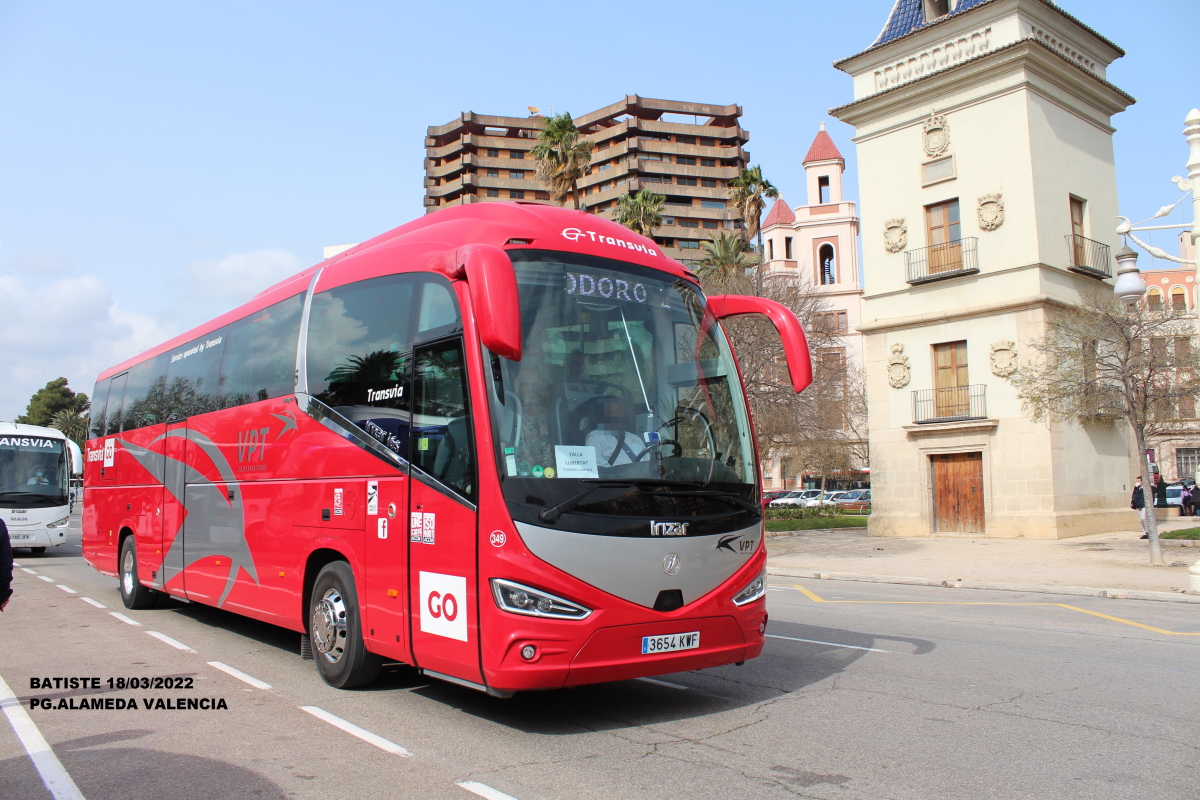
(442, 417)
(99, 400)
(193, 377)
(144, 394)
(359, 354)
(259, 360)
(115, 393)
(438, 308)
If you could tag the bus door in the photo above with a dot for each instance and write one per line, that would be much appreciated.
(175, 444)
(441, 516)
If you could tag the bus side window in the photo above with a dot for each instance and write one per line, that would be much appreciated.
(115, 394)
(99, 401)
(360, 352)
(143, 394)
(443, 444)
(259, 361)
(438, 309)
(193, 382)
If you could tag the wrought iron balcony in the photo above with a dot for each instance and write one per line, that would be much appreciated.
(940, 261)
(951, 404)
(1088, 257)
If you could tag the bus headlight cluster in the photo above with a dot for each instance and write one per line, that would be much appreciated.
(61, 523)
(756, 589)
(521, 599)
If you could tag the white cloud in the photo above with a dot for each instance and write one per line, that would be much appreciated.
(54, 323)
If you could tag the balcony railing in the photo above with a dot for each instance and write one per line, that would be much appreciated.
(939, 261)
(1088, 257)
(950, 404)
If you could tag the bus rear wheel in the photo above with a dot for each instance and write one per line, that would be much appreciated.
(335, 628)
(133, 594)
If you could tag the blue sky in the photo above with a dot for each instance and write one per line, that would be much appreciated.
(162, 162)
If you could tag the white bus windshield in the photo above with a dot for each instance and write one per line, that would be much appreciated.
(33, 472)
(613, 387)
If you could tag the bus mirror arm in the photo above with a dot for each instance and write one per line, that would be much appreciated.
(795, 343)
(489, 273)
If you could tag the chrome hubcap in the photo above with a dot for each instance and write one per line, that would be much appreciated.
(127, 572)
(329, 626)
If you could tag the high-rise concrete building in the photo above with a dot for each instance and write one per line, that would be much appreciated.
(686, 151)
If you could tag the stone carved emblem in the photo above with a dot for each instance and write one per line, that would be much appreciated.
(899, 372)
(895, 235)
(991, 211)
(1004, 358)
(936, 136)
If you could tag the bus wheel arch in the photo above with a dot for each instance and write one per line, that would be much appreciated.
(333, 621)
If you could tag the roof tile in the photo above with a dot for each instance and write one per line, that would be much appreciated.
(780, 214)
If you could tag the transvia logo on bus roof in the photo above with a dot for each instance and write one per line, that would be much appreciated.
(575, 234)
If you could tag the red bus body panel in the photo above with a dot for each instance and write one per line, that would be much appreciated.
(281, 489)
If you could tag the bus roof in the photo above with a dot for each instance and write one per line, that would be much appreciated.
(512, 226)
(19, 429)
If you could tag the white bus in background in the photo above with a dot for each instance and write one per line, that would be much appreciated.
(36, 468)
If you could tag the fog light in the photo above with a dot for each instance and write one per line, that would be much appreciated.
(528, 652)
(762, 626)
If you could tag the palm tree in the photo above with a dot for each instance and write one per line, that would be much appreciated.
(72, 424)
(641, 212)
(726, 258)
(749, 193)
(562, 157)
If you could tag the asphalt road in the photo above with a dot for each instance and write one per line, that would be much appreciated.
(864, 691)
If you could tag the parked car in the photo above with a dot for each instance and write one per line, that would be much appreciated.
(1175, 495)
(769, 496)
(857, 500)
(826, 499)
(796, 499)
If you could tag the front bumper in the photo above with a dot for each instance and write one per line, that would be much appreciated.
(37, 537)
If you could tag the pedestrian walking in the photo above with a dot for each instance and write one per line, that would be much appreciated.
(6, 566)
(1138, 503)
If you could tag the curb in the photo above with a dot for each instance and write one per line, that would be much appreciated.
(1076, 591)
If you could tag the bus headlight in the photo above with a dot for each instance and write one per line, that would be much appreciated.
(61, 523)
(756, 589)
(521, 599)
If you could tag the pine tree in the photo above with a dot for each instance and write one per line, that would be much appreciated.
(56, 396)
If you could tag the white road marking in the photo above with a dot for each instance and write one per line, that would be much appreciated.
(125, 619)
(66, 589)
(43, 577)
(27, 569)
(354, 730)
(665, 683)
(241, 676)
(162, 637)
(92, 602)
(483, 790)
(58, 781)
(830, 644)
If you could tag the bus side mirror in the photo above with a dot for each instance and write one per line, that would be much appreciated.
(76, 458)
(795, 343)
(494, 299)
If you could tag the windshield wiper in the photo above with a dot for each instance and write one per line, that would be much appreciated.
(551, 515)
(729, 497)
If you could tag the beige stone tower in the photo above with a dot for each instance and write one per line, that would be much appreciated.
(988, 192)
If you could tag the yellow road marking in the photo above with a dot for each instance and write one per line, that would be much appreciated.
(816, 599)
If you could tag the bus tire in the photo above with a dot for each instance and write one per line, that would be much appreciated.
(335, 628)
(133, 594)
(37, 551)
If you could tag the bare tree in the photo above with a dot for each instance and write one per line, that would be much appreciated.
(1101, 362)
(822, 428)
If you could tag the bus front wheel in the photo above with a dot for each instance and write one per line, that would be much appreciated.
(335, 628)
(133, 594)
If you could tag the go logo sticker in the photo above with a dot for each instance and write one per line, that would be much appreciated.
(444, 605)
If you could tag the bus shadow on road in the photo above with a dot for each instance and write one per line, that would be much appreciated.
(97, 767)
(282, 639)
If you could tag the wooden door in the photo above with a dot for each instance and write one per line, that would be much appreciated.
(958, 493)
(944, 232)
(951, 395)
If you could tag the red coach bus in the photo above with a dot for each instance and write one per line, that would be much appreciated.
(506, 443)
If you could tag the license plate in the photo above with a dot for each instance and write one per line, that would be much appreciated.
(20, 537)
(670, 643)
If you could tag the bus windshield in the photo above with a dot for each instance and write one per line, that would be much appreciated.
(620, 393)
(33, 472)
